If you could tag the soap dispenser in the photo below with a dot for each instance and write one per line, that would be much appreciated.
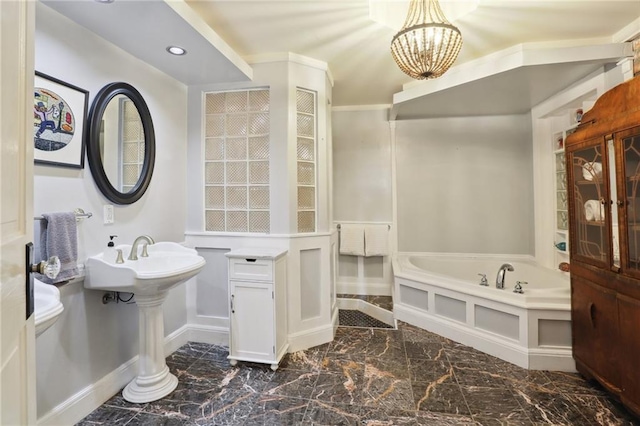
(110, 253)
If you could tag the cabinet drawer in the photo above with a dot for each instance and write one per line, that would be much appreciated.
(251, 269)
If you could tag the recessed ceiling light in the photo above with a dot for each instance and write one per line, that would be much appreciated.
(104, 1)
(175, 50)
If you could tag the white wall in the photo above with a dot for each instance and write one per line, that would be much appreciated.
(361, 166)
(465, 185)
(91, 339)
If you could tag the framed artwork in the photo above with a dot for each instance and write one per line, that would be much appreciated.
(59, 122)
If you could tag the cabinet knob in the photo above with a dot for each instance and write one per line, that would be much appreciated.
(603, 201)
(620, 203)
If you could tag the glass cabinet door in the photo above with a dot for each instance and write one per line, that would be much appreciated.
(589, 195)
(630, 142)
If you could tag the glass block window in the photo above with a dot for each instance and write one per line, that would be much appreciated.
(306, 156)
(236, 161)
(131, 145)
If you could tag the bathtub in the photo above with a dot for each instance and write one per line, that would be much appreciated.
(442, 294)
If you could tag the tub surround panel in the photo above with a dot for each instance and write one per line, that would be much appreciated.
(413, 297)
(490, 320)
(553, 332)
(501, 323)
(450, 308)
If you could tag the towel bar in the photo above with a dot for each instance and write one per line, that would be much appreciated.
(80, 215)
(388, 226)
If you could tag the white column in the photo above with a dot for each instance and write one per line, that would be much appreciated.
(154, 381)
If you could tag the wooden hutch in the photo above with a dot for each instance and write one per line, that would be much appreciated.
(603, 174)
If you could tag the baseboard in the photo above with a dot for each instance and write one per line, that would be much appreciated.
(176, 339)
(552, 359)
(81, 404)
(364, 289)
(211, 334)
(78, 406)
(533, 359)
(310, 338)
(369, 309)
(506, 351)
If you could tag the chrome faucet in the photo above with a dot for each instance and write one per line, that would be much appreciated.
(501, 273)
(134, 247)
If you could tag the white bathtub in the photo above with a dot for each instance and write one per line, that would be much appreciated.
(441, 293)
(545, 288)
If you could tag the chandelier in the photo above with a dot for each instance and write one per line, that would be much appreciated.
(428, 44)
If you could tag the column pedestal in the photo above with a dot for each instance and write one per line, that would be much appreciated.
(154, 381)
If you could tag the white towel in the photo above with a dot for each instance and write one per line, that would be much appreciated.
(376, 240)
(591, 170)
(593, 211)
(352, 240)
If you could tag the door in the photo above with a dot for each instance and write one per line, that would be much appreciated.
(17, 347)
(594, 324)
(252, 321)
(628, 143)
(589, 203)
(629, 317)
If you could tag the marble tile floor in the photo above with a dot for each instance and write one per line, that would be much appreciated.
(384, 302)
(367, 377)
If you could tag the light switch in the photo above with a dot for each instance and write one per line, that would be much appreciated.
(107, 213)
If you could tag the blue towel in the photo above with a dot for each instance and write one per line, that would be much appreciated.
(59, 237)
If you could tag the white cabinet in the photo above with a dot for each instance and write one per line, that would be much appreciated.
(257, 306)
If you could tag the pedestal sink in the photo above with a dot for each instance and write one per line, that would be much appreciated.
(149, 278)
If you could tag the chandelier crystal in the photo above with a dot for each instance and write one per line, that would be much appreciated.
(428, 44)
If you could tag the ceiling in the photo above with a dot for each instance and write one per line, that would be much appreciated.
(352, 36)
(511, 81)
(146, 28)
(343, 33)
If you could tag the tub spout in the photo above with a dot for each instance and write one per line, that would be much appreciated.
(501, 273)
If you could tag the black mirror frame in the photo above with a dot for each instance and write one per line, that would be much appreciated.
(98, 107)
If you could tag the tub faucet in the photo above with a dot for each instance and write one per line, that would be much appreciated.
(134, 247)
(501, 273)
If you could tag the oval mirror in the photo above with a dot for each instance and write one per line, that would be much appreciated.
(121, 148)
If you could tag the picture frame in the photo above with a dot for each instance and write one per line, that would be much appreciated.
(59, 122)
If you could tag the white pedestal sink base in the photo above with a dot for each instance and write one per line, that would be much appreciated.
(154, 381)
(146, 389)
